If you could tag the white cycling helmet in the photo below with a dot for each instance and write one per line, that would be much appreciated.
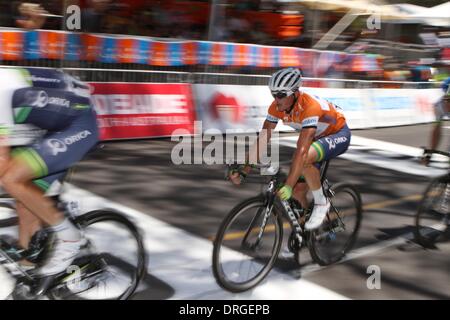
(285, 81)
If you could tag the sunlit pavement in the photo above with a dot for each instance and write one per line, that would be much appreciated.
(179, 209)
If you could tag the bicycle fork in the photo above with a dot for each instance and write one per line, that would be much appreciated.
(267, 212)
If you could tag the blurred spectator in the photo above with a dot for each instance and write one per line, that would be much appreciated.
(93, 16)
(5, 14)
(31, 15)
(420, 73)
(257, 34)
(238, 28)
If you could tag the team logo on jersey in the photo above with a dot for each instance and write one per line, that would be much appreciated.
(309, 122)
(42, 79)
(59, 102)
(40, 99)
(332, 142)
(58, 146)
(37, 99)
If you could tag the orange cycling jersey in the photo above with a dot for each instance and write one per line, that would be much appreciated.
(310, 112)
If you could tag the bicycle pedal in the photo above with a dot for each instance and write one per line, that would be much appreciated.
(10, 247)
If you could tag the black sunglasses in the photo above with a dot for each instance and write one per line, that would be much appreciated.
(279, 94)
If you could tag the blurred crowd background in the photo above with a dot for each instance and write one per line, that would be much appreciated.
(413, 37)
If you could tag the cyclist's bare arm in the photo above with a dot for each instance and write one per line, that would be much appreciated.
(261, 144)
(304, 142)
(255, 150)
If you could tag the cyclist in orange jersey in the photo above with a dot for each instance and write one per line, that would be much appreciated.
(323, 135)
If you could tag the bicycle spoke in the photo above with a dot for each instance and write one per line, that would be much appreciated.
(432, 218)
(338, 232)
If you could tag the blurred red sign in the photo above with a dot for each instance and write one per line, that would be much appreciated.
(140, 110)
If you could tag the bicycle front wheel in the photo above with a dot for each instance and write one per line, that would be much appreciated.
(110, 266)
(433, 216)
(337, 234)
(247, 245)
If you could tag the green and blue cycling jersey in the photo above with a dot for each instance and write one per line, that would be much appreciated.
(61, 106)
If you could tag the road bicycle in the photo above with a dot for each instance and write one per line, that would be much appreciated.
(249, 239)
(432, 219)
(111, 263)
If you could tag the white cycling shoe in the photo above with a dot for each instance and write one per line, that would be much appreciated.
(60, 257)
(318, 215)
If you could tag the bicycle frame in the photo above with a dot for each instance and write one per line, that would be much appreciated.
(292, 215)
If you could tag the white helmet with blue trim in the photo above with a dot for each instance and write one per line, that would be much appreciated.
(286, 81)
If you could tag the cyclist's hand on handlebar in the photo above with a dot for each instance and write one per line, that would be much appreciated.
(237, 173)
(236, 178)
(285, 193)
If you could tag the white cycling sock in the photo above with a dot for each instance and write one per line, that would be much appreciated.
(67, 231)
(319, 197)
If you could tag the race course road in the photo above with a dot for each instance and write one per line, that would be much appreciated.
(180, 207)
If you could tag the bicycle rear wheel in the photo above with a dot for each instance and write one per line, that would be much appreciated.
(247, 245)
(433, 216)
(337, 234)
(110, 266)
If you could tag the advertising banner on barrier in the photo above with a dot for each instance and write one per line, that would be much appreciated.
(365, 108)
(11, 45)
(230, 107)
(237, 108)
(47, 44)
(141, 110)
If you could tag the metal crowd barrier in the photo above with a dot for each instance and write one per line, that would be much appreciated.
(93, 74)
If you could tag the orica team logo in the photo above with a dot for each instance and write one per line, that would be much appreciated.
(332, 142)
(56, 146)
(59, 146)
(37, 99)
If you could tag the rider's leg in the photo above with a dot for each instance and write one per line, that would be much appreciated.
(5, 156)
(29, 224)
(312, 177)
(325, 148)
(299, 193)
(17, 181)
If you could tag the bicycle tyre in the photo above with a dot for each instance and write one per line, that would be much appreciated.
(96, 216)
(219, 274)
(422, 210)
(315, 253)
